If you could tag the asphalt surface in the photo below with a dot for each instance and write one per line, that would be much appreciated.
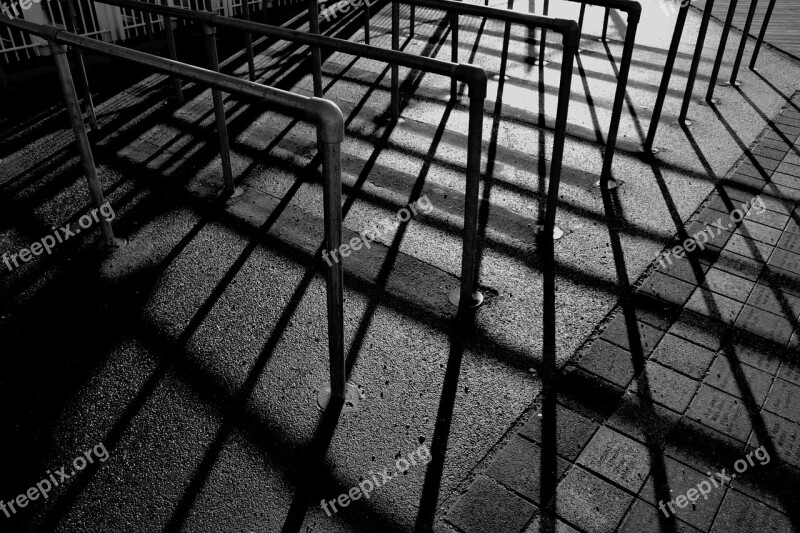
(196, 355)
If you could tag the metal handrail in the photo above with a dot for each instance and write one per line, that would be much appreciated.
(543, 22)
(473, 76)
(634, 12)
(324, 114)
(570, 37)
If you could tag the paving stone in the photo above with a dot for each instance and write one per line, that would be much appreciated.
(785, 180)
(666, 387)
(788, 168)
(790, 241)
(782, 192)
(765, 162)
(593, 505)
(742, 514)
(701, 447)
(618, 458)
(617, 333)
(771, 153)
(762, 356)
(787, 280)
(609, 362)
(756, 250)
(587, 394)
(790, 369)
(683, 268)
(773, 483)
(764, 324)
(508, 513)
(643, 420)
(759, 232)
(784, 400)
(676, 482)
(714, 305)
(573, 431)
(667, 288)
(777, 145)
(721, 376)
(684, 356)
(744, 180)
(721, 412)
(560, 527)
(793, 226)
(738, 265)
(775, 301)
(698, 329)
(784, 436)
(654, 312)
(646, 518)
(519, 466)
(727, 284)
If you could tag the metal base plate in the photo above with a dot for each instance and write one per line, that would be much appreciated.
(714, 102)
(237, 192)
(117, 244)
(352, 397)
(557, 233)
(455, 298)
(543, 63)
(612, 184)
(652, 151)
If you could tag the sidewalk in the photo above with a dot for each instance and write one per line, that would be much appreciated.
(709, 373)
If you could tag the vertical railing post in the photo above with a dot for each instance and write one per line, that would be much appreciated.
(580, 18)
(412, 14)
(332, 199)
(395, 104)
(148, 29)
(173, 54)
(761, 34)
(248, 42)
(454, 52)
(229, 189)
(367, 19)
(543, 36)
(316, 53)
(3, 80)
(606, 179)
(80, 64)
(570, 48)
(108, 241)
(605, 24)
(467, 296)
(264, 9)
(712, 82)
(668, 65)
(698, 55)
(745, 34)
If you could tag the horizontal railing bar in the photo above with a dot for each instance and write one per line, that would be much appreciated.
(301, 105)
(563, 26)
(435, 66)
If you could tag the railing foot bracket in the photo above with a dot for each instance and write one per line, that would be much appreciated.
(610, 184)
(352, 397)
(455, 298)
(237, 192)
(557, 233)
(115, 244)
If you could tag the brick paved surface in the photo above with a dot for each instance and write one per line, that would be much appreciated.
(667, 414)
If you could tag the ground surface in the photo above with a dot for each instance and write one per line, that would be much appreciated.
(198, 369)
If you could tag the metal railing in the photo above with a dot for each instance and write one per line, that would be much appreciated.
(325, 115)
(634, 11)
(473, 76)
(544, 23)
